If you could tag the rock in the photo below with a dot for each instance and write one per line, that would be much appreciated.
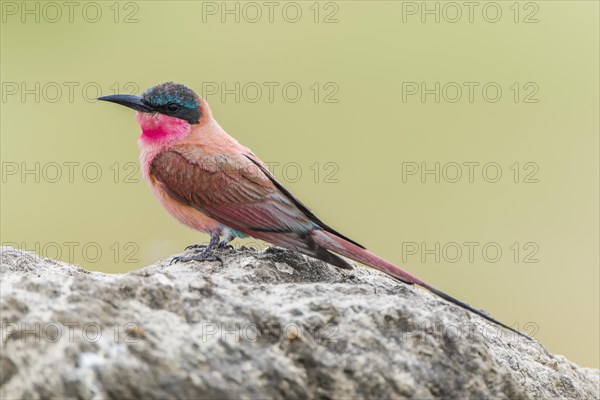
(270, 324)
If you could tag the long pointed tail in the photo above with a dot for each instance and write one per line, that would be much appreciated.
(338, 245)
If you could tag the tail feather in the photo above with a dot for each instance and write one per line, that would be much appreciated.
(347, 249)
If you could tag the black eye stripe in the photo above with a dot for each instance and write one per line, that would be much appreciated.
(175, 109)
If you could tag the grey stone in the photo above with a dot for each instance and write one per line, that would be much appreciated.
(270, 324)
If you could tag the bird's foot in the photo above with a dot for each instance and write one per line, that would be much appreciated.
(227, 237)
(195, 257)
(204, 255)
(195, 247)
(224, 245)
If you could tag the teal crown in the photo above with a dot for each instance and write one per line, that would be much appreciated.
(170, 92)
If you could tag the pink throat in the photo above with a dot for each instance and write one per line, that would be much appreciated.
(161, 128)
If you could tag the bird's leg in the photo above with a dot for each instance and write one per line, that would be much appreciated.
(198, 246)
(204, 255)
(228, 236)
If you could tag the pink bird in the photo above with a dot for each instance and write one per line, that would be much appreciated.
(209, 182)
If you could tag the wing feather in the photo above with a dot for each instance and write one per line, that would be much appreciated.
(231, 190)
(238, 191)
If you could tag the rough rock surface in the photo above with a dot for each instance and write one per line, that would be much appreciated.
(269, 324)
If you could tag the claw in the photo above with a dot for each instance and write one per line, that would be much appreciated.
(195, 257)
(227, 237)
(224, 245)
(175, 260)
(204, 255)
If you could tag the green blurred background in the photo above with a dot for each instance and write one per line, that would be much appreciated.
(351, 139)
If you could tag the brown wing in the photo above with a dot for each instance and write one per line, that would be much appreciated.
(230, 189)
(239, 192)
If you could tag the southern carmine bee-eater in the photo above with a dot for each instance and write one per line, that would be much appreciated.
(211, 183)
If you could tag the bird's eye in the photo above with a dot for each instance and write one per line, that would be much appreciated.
(173, 107)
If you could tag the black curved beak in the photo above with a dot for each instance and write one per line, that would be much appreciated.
(128, 100)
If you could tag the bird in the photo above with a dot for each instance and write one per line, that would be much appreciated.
(211, 183)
